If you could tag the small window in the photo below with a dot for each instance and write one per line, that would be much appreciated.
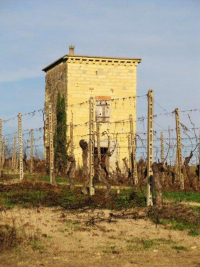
(103, 110)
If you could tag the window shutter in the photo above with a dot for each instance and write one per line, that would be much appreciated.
(102, 110)
(107, 111)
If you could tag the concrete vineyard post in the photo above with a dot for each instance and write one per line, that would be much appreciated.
(150, 149)
(3, 152)
(179, 149)
(134, 159)
(71, 137)
(15, 153)
(129, 151)
(0, 145)
(162, 147)
(51, 150)
(131, 145)
(91, 146)
(199, 156)
(21, 171)
(98, 146)
(133, 165)
(32, 138)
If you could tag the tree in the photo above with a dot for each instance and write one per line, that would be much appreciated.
(60, 141)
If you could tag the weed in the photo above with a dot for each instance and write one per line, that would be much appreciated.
(177, 217)
(148, 243)
(72, 226)
(164, 241)
(196, 209)
(35, 194)
(128, 199)
(193, 233)
(8, 237)
(176, 225)
(111, 249)
(36, 245)
(139, 244)
(180, 248)
(131, 247)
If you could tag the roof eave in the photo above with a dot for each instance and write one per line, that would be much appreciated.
(53, 64)
(65, 57)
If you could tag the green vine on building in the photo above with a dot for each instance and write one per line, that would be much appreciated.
(60, 140)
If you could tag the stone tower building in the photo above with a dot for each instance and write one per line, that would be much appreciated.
(112, 81)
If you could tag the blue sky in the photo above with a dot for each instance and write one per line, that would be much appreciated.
(165, 34)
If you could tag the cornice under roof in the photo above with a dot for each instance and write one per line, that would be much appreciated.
(66, 57)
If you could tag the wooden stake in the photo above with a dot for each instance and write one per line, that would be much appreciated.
(46, 139)
(91, 145)
(176, 167)
(170, 155)
(129, 152)
(3, 152)
(71, 138)
(131, 145)
(162, 147)
(150, 149)
(162, 153)
(98, 146)
(0, 145)
(179, 149)
(32, 138)
(133, 163)
(199, 156)
(15, 153)
(98, 140)
(135, 176)
(51, 150)
(107, 156)
(21, 173)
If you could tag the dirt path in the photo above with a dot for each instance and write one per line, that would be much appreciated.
(194, 204)
(89, 239)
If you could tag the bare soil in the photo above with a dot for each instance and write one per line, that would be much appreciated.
(93, 238)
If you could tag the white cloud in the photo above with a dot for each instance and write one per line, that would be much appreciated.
(165, 36)
(20, 74)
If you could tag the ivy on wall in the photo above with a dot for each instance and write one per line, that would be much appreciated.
(60, 141)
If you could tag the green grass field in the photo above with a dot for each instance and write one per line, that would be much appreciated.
(180, 196)
(174, 215)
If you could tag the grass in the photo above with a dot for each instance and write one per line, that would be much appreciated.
(111, 249)
(193, 233)
(37, 245)
(178, 218)
(125, 199)
(179, 196)
(41, 178)
(177, 225)
(29, 194)
(8, 237)
(141, 244)
(147, 244)
(180, 248)
(72, 226)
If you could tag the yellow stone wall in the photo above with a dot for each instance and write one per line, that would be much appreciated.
(91, 77)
